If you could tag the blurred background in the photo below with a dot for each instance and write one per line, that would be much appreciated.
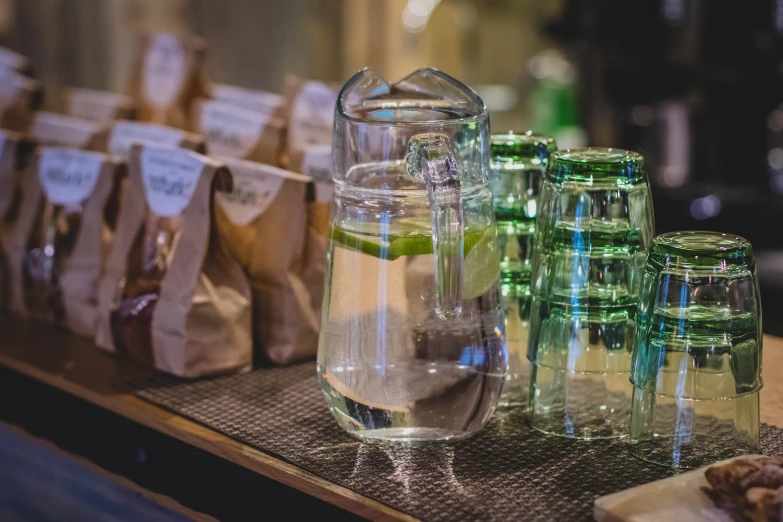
(694, 85)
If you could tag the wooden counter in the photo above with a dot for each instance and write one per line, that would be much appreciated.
(43, 355)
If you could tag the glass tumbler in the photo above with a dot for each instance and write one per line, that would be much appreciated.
(697, 356)
(595, 225)
(517, 169)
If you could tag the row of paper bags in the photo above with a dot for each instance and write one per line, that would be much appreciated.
(124, 231)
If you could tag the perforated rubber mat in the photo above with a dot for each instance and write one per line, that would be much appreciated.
(507, 472)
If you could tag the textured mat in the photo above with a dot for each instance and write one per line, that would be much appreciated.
(507, 472)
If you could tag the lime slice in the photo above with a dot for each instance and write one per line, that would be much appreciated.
(481, 268)
(410, 242)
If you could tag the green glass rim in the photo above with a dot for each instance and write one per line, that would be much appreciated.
(590, 164)
(696, 249)
(522, 147)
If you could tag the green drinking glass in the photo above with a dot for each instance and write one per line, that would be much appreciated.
(594, 228)
(517, 165)
(697, 353)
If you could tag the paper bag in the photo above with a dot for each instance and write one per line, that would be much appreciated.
(50, 128)
(19, 97)
(236, 132)
(12, 150)
(167, 78)
(310, 109)
(59, 241)
(171, 295)
(264, 221)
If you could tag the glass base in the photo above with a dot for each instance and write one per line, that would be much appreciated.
(686, 433)
(410, 436)
(577, 405)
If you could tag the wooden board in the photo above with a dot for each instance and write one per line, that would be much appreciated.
(679, 498)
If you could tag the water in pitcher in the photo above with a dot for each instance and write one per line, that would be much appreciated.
(391, 368)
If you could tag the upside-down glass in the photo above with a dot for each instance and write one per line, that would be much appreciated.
(516, 175)
(412, 345)
(697, 354)
(595, 224)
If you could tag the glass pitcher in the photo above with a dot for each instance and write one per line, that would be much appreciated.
(412, 345)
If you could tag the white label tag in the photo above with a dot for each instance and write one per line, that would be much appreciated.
(95, 105)
(69, 176)
(50, 128)
(10, 59)
(229, 130)
(126, 133)
(312, 116)
(256, 101)
(255, 188)
(170, 177)
(163, 71)
(317, 163)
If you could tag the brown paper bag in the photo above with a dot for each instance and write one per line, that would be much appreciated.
(50, 128)
(310, 109)
(19, 97)
(265, 224)
(101, 106)
(171, 295)
(261, 102)
(236, 132)
(11, 174)
(167, 78)
(59, 241)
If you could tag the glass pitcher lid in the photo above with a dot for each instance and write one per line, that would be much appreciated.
(425, 96)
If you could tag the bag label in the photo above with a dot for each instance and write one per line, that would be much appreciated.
(255, 188)
(68, 176)
(170, 177)
(230, 131)
(312, 116)
(94, 105)
(256, 101)
(317, 163)
(163, 70)
(50, 128)
(126, 133)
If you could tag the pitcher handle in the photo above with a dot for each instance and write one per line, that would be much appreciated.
(430, 160)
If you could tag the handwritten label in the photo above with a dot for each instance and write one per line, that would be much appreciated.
(256, 101)
(230, 131)
(163, 71)
(312, 116)
(94, 105)
(255, 188)
(170, 177)
(50, 128)
(68, 176)
(126, 133)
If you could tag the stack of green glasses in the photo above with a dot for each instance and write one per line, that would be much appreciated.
(517, 172)
(594, 229)
(697, 352)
